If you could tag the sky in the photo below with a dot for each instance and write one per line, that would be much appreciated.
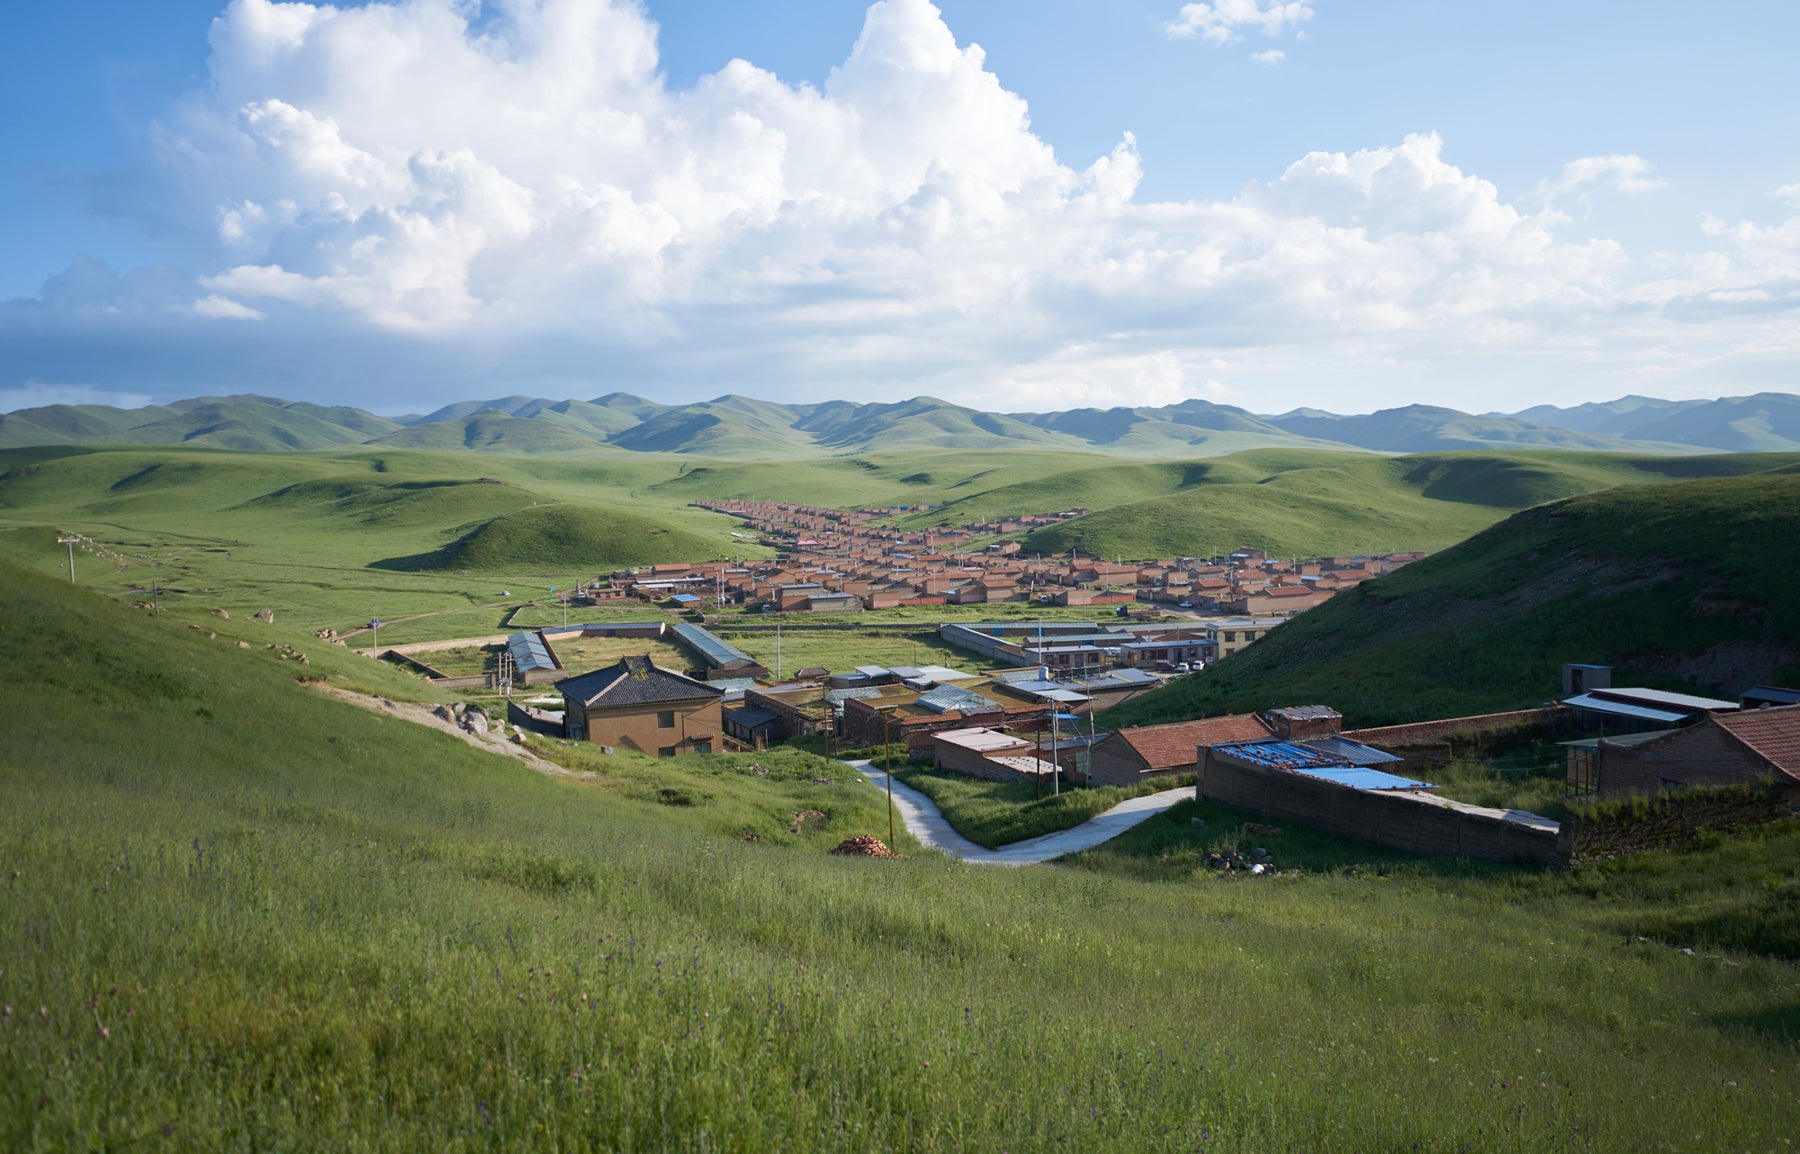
(1018, 206)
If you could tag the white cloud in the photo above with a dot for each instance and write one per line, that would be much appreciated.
(395, 192)
(1630, 175)
(1789, 193)
(1270, 58)
(216, 307)
(1223, 21)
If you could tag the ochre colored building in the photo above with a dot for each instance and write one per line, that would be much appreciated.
(639, 705)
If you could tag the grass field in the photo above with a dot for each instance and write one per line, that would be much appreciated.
(236, 914)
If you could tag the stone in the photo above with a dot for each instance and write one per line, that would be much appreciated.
(243, 645)
(266, 615)
(222, 613)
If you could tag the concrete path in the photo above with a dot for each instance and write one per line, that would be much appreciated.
(927, 823)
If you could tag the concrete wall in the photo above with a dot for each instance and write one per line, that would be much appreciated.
(1674, 818)
(1397, 820)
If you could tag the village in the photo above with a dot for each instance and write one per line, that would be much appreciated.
(1030, 705)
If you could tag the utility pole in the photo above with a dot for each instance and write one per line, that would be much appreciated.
(69, 539)
(155, 600)
(887, 753)
(375, 628)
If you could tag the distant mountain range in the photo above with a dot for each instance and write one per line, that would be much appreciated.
(734, 427)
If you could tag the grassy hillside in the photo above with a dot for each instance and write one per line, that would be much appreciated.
(1429, 428)
(1307, 503)
(238, 914)
(489, 431)
(744, 428)
(1677, 585)
(566, 537)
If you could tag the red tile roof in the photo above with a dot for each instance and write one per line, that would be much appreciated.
(1774, 734)
(1167, 746)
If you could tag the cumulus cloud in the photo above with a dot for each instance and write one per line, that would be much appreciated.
(1270, 58)
(396, 194)
(1223, 21)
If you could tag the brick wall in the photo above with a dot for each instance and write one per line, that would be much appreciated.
(1429, 733)
(1672, 819)
(1701, 755)
(1397, 820)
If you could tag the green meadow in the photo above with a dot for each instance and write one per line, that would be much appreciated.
(236, 914)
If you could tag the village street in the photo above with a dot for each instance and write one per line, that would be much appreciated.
(926, 822)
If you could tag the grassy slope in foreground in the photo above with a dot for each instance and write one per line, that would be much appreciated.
(1687, 584)
(237, 914)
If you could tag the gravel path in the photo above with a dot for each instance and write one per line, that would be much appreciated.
(927, 823)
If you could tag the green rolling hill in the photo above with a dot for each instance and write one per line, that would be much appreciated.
(1681, 585)
(1309, 503)
(244, 423)
(1428, 429)
(735, 427)
(490, 431)
(564, 537)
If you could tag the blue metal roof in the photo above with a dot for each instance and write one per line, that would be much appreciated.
(1280, 755)
(1362, 777)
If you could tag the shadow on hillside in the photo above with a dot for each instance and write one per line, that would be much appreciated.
(435, 560)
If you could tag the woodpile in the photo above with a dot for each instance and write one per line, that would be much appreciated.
(864, 845)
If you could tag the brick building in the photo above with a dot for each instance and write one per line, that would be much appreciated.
(639, 705)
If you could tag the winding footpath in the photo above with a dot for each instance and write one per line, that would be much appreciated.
(927, 823)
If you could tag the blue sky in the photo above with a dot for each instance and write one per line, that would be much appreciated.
(1263, 202)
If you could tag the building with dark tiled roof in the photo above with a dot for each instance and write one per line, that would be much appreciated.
(639, 705)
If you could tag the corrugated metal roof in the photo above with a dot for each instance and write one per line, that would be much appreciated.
(1663, 697)
(1354, 752)
(1281, 755)
(837, 697)
(1304, 713)
(529, 653)
(947, 697)
(714, 650)
(1621, 709)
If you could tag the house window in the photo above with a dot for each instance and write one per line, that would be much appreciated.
(665, 719)
(1231, 636)
(703, 747)
(666, 751)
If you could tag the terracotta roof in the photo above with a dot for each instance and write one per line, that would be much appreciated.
(1167, 746)
(1774, 734)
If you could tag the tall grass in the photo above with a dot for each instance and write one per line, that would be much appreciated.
(235, 914)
